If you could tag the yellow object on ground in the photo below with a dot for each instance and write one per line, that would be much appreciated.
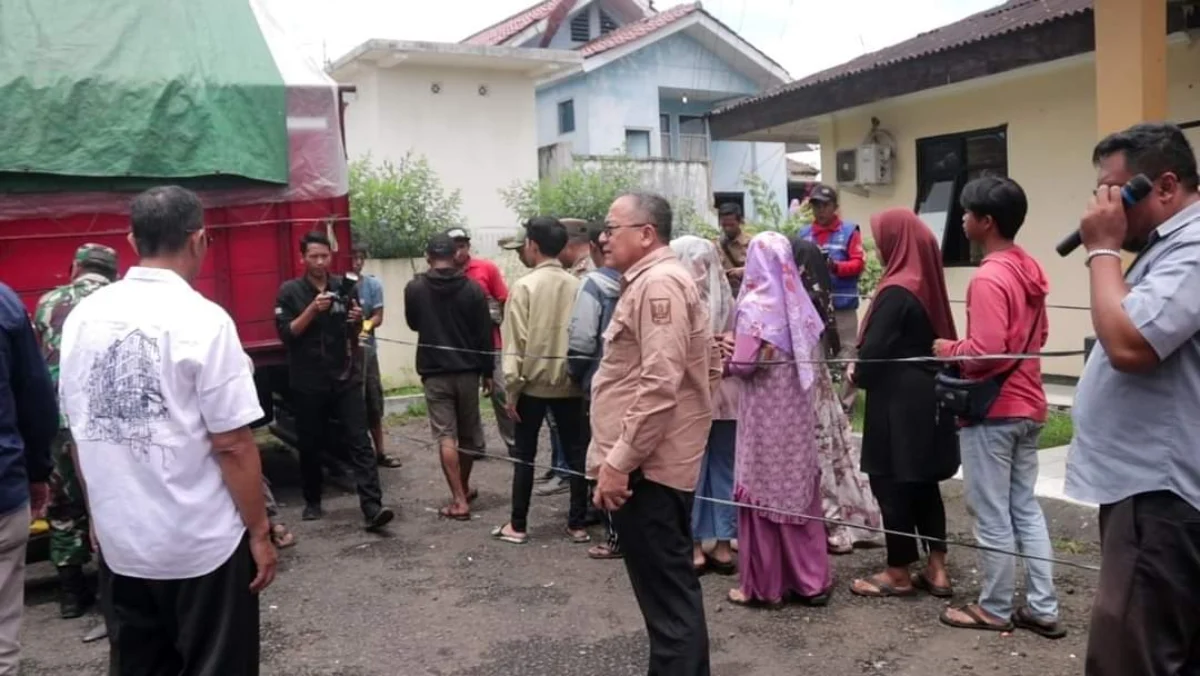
(39, 526)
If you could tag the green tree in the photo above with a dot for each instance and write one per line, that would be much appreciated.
(396, 207)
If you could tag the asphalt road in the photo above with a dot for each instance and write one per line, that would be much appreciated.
(434, 597)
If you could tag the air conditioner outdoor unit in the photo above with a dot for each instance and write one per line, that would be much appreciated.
(868, 164)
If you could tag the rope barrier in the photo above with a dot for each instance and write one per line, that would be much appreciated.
(1048, 306)
(781, 512)
(776, 362)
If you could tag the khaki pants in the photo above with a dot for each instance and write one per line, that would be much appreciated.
(847, 328)
(14, 536)
(503, 422)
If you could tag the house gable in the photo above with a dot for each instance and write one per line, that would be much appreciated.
(553, 23)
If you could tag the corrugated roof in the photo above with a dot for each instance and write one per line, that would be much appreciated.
(637, 30)
(1010, 17)
(497, 33)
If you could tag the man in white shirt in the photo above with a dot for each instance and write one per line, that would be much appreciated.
(159, 397)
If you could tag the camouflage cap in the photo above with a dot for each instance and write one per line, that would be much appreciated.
(97, 255)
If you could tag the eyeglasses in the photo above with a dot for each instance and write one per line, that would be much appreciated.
(609, 228)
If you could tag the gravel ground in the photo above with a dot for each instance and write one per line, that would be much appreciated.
(440, 598)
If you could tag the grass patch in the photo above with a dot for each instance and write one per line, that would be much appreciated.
(403, 391)
(1057, 432)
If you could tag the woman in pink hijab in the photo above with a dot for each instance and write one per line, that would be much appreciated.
(782, 552)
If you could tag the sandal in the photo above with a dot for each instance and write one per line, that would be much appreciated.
(920, 581)
(978, 621)
(604, 552)
(737, 598)
(1025, 619)
(281, 537)
(879, 589)
(390, 461)
(720, 567)
(445, 513)
(513, 538)
(578, 537)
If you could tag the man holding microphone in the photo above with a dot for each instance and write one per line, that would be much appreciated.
(1145, 367)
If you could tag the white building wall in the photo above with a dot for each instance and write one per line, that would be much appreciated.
(478, 144)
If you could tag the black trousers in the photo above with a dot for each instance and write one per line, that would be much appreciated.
(1146, 615)
(314, 427)
(656, 538)
(202, 626)
(568, 415)
(910, 508)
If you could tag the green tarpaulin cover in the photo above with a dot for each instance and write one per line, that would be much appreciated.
(137, 89)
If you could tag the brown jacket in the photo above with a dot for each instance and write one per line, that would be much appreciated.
(652, 395)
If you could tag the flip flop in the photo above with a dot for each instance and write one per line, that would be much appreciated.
(578, 538)
(978, 622)
(281, 537)
(445, 513)
(604, 552)
(1024, 619)
(512, 539)
(882, 589)
(720, 567)
(388, 461)
(926, 585)
(736, 597)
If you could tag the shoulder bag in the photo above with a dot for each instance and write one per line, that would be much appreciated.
(972, 399)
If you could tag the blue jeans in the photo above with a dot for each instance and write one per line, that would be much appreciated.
(558, 459)
(712, 521)
(1000, 468)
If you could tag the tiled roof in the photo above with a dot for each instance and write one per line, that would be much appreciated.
(637, 30)
(1010, 17)
(497, 33)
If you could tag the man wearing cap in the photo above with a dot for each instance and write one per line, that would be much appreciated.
(449, 311)
(94, 266)
(732, 243)
(841, 241)
(487, 275)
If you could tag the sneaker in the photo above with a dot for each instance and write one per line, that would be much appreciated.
(312, 513)
(380, 519)
(554, 486)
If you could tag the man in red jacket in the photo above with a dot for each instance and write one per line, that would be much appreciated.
(1006, 314)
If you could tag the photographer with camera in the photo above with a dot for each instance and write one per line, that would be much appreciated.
(319, 319)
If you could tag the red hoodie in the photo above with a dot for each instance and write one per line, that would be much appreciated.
(1005, 301)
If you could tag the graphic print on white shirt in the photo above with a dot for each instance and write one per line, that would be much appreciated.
(150, 370)
(124, 396)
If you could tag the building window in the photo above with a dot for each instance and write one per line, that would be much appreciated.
(607, 25)
(944, 165)
(664, 128)
(581, 27)
(738, 198)
(566, 116)
(693, 138)
(637, 143)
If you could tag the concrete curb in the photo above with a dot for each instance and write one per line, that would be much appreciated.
(401, 404)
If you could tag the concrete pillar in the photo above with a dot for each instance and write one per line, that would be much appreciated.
(1131, 64)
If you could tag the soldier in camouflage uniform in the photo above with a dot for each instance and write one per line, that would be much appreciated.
(94, 266)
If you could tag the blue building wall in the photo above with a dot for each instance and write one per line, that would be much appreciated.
(630, 94)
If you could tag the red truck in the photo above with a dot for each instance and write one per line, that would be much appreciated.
(94, 115)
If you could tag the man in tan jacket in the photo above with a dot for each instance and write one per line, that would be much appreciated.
(535, 325)
(651, 414)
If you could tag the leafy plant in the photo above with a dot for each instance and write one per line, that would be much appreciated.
(581, 191)
(396, 207)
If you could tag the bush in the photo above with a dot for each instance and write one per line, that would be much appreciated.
(578, 192)
(396, 208)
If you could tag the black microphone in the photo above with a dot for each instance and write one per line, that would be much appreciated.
(1132, 192)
